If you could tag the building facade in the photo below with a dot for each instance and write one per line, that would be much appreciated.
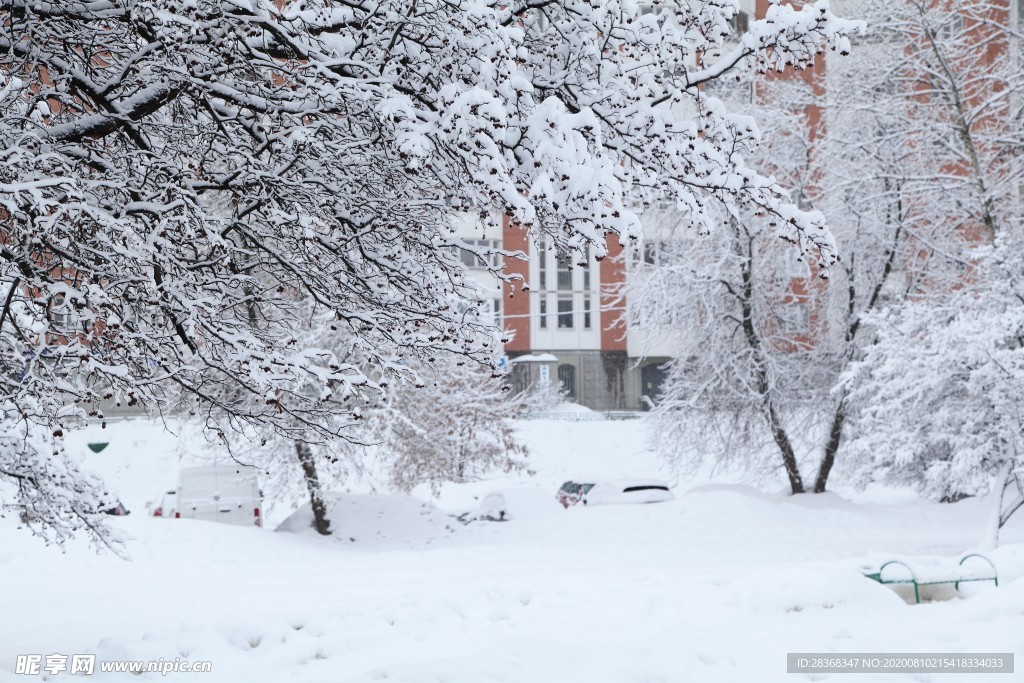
(566, 328)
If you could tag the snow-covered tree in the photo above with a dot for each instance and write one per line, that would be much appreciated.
(744, 372)
(940, 395)
(914, 160)
(173, 172)
(455, 427)
(429, 421)
(741, 312)
(957, 93)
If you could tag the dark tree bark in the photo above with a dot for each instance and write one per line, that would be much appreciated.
(835, 437)
(753, 337)
(306, 461)
(796, 482)
(835, 432)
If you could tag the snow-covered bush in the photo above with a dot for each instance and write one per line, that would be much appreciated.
(455, 427)
(941, 393)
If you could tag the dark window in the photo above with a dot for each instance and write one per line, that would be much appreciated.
(952, 28)
(543, 310)
(740, 23)
(58, 310)
(586, 269)
(794, 317)
(542, 265)
(631, 489)
(564, 277)
(470, 258)
(651, 252)
(652, 377)
(565, 313)
(567, 381)
(586, 312)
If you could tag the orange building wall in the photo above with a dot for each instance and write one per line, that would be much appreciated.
(515, 301)
(613, 274)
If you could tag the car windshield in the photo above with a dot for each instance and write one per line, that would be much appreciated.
(651, 487)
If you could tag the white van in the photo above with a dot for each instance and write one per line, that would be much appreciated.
(224, 493)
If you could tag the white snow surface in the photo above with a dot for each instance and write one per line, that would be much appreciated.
(376, 520)
(715, 586)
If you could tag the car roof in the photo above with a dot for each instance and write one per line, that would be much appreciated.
(623, 484)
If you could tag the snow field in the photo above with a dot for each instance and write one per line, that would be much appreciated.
(716, 586)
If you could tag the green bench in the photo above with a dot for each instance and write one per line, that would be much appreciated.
(936, 575)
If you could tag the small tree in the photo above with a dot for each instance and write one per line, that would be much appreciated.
(454, 427)
(740, 310)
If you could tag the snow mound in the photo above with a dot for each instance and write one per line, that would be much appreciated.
(478, 501)
(374, 520)
(569, 407)
(797, 588)
(729, 489)
(1009, 559)
(493, 508)
(531, 503)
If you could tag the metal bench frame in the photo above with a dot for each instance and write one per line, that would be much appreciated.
(877, 576)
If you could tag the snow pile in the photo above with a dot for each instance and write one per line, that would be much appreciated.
(493, 508)
(798, 588)
(570, 408)
(374, 520)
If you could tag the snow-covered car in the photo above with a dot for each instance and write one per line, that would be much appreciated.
(225, 494)
(612, 492)
(166, 505)
(572, 492)
(117, 509)
(228, 494)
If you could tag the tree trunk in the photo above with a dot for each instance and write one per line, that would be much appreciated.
(991, 538)
(764, 389)
(835, 437)
(316, 500)
(796, 482)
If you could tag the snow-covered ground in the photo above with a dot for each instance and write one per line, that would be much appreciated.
(717, 585)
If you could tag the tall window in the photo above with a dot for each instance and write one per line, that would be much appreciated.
(564, 276)
(543, 310)
(565, 312)
(586, 270)
(952, 28)
(740, 23)
(794, 317)
(567, 381)
(542, 264)
(471, 259)
(58, 312)
(796, 265)
(492, 310)
(586, 312)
